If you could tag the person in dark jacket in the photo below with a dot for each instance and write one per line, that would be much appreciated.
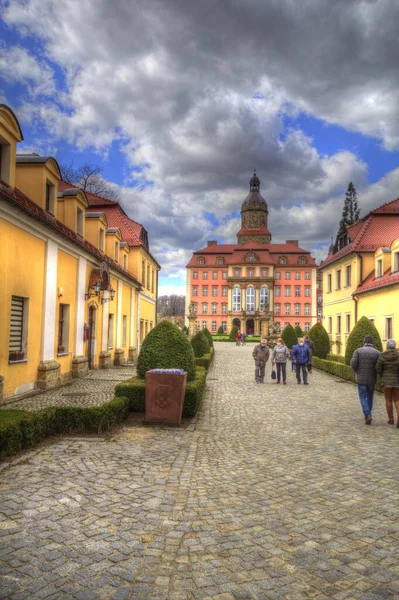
(388, 367)
(363, 363)
(301, 356)
(261, 356)
(310, 345)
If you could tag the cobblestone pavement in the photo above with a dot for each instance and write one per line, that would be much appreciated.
(94, 389)
(280, 492)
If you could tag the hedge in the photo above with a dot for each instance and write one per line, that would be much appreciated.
(134, 390)
(32, 427)
(206, 360)
(200, 344)
(339, 370)
(208, 336)
(336, 358)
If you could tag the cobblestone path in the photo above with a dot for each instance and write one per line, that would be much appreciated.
(280, 492)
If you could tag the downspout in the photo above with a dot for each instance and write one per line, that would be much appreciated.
(356, 299)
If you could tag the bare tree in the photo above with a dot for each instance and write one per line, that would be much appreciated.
(88, 178)
(171, 306)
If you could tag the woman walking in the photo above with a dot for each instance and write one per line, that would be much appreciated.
(388, 367)
(279, 357)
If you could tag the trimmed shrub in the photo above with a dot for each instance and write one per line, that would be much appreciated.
(194, 393)
(134, 390)
(289, 336)
(206, 360)
(208, 336)
(220, 331)
(336, 358)
(298, 331)
(166, 347)
(320, 339)
(356, 338)
(200, 344)
(339, 369)
(233, 333)
(185, 330)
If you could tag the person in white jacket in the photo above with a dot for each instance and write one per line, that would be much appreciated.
(279, 358)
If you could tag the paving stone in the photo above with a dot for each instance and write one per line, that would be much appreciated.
(279, 492)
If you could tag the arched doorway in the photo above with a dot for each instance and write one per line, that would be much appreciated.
(237, 323)
(250, 326)
(91, 341)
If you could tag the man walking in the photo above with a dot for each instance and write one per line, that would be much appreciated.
(261, 356)
(310, 345)
(301, 357)
(363, 363)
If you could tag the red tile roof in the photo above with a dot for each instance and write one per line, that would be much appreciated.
(93, 199)
(260, 231)
(372, 283)
(377, 229)
(22, 202)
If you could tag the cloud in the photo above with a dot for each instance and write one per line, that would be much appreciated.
(18, 66)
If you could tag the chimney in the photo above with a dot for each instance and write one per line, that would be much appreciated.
(211, 243)
(293, 242)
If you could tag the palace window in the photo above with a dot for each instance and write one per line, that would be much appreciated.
(297, 309)
(224, 326)
(236, 272)
(319, 299)
(307, 326)
(287, 290)
(224, 290)
(18, 329)
(195, 274)
(329, 282)
(288, 309)
(388, 328)
(297, 275)
(214, 275)
(287, 275)
(220, 260)
(302, 260)
(49, 197)
(348, 323)
(379, 267)
(63, 328)
(214, 290)
(307, 309)
(283, 260)
(213, 325)
(277, 309)
(200, 260)
(277, 291)
(250, 257)
(278, 275)
(348, 273)
(250, 272)
(204, 308)
(79, 221)
(224, 275)
(250, 299)
(264, 297)
(195, 291)
(101, 240)
(297, 291)
(204, 290)
(214, 308)
(338, 279)
(195, 307)
(307, 291)
(236, 299)
(339, 324)
(143, 272)
(264, 272)
(205, 275)
(224, 309)
(329, 324)
(307, 275)
(203, 324)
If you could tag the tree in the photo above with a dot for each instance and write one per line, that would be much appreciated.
(220, 331)
(208, 336)
(320, 339)
(233, 333)
(171, 306)
(356, 338)
(88, 178)
(200, 344)
(298, 331)
(289, 336)
(350, 211)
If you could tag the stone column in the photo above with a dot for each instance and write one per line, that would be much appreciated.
(191, 325)
(105, 356)
(119, 354)
(80, 363)
(132, 341)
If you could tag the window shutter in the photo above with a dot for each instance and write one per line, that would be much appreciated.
(17, 313)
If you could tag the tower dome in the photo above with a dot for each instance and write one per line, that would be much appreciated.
(254, 215)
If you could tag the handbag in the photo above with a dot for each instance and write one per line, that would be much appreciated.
(274, 376)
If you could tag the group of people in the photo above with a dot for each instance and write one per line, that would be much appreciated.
(240, 338)
(368, 362)
(301, 356)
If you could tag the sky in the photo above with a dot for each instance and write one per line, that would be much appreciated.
(178, 101)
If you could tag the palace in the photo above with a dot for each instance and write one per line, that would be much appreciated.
(253, 283)
(79, 283)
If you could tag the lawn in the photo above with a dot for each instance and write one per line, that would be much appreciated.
(9, 416)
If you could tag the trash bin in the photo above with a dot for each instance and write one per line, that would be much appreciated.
(164, 395)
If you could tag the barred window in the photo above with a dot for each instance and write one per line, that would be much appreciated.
(18, 328)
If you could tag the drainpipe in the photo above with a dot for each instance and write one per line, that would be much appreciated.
(356, 299)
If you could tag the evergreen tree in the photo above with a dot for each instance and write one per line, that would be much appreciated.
(289, 336)
(350, 211)
(320, 339)
(298, 331)
(356, 337)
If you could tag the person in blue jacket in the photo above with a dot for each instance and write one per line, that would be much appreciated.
(301, 357)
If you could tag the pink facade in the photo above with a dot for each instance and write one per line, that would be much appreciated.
(253, 283)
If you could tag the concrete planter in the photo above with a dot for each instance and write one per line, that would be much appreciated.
(164, 395)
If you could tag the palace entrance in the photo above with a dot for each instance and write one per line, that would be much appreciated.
(250, 327)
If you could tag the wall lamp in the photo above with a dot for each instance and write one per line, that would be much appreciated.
(95, 291)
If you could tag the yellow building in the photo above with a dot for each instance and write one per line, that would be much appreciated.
(71, 297)
(368, 245)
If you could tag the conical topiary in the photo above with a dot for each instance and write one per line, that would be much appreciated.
(289, 336)
(185, 330)
(220, 330)
(298, 331)
(208, 335)
(320, 339)
(356, 338)
(200, 344)
(233, 333)
(166, 347)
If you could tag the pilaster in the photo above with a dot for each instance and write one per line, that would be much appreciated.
(50, 300)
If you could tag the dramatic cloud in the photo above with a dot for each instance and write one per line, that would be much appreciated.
(197, 94)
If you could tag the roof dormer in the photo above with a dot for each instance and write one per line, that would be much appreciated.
(37, 177)
(395, 256)
(124, 255)
(382, 258)
(72, 206)
(113, 239)
(96, 226)
(10, 135)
